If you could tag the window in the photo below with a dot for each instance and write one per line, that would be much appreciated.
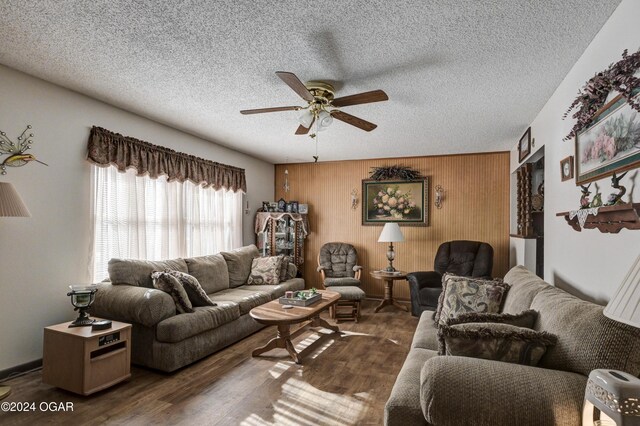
(153, 219)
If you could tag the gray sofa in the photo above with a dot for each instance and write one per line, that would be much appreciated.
(165, 340)
(454, 390)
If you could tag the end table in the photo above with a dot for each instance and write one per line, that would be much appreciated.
(389, 278)
(84, 361)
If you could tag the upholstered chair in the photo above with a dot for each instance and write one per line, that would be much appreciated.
(340, 272)
(464, 258)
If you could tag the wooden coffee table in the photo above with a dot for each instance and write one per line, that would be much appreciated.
(388, 289)
(273, 313)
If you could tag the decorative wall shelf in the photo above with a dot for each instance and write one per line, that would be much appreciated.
(610, 219)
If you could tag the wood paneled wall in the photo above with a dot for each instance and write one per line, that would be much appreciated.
(475, 207)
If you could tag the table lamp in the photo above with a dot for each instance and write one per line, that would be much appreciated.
(613, 397)
(391, 233)
(11, 205)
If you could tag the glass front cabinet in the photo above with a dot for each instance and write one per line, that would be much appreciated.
(282, 233)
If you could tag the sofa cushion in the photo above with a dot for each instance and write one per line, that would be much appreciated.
(341, 282)
(138, 272)
(587, 340)
(173, 287)
(495, 341)
(180, 327)
(276, 291)
(426, 334)
(239, 264)
(265, 270)
(246, 299)
(464, 294)
(292, 271)
(524, 287)
(210, 271)
(192, 287)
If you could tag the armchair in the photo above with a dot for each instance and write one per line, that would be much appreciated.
(464, 258)
(340, 272)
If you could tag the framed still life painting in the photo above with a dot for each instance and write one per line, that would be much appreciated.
(401, 201)
(611, 143)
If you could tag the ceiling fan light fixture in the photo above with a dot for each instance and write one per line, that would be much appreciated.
(324, 120)
(306, 118)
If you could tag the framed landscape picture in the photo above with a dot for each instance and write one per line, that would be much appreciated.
(524, 145)
(611, 143)
(401, 201)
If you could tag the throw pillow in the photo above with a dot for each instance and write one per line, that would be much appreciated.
(292, 271)
(171, 285)
(498, 342)
(465, 294)
(239, 264)
(265, 270)
(192, 287)
(525, 319)
(284, 266)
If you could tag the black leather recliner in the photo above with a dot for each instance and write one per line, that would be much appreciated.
(463, 258)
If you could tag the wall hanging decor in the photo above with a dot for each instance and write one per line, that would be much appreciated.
(404, 202)
(524, 146)
(16, 152)
(611, 143)
(354, 199)
(395, 172)
(566, 168)
(591, 98)
(439, 196)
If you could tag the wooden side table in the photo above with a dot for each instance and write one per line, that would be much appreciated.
(389, 278)
(84, 361)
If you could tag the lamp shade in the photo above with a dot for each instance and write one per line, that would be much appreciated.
(391, 233)
(11, 205)
(624, 306)
(324, 121)
(306, 118)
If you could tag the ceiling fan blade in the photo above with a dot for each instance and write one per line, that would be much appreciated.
(360, 98)
(303, 130)
(354, 121)
(295, 83)
(274, 109)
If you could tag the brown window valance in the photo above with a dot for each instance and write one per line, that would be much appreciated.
(108, 148)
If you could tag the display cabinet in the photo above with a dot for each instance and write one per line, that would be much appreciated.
(282, 233)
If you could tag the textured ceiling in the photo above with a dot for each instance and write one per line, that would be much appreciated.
(461, 75)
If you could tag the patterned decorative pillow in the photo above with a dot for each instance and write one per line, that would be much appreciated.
(292, 271)
(525, 319)
(192, 287)
(265, 270)
(171, 285)
(284, 266)
(463, 294)
(498, 342)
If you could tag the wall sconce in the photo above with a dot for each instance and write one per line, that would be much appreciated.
(285, 186)
(354, 199)
(439, 196)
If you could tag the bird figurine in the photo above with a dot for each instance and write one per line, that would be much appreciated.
(616, 198)
(584, 200)
(16, 151)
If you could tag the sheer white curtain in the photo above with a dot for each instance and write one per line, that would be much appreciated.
(142, 218)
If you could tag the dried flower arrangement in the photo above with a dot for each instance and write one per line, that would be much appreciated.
(619, 77)
(395, 172)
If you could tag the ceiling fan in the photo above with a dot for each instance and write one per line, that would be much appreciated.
(322, 105)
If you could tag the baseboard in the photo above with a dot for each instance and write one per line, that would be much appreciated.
(20, 369)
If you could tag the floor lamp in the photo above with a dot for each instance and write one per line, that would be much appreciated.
(11, 205)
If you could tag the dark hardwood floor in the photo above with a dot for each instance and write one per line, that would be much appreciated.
(346, 381)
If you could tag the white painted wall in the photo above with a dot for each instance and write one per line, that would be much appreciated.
(42, 255)
(587, 263)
